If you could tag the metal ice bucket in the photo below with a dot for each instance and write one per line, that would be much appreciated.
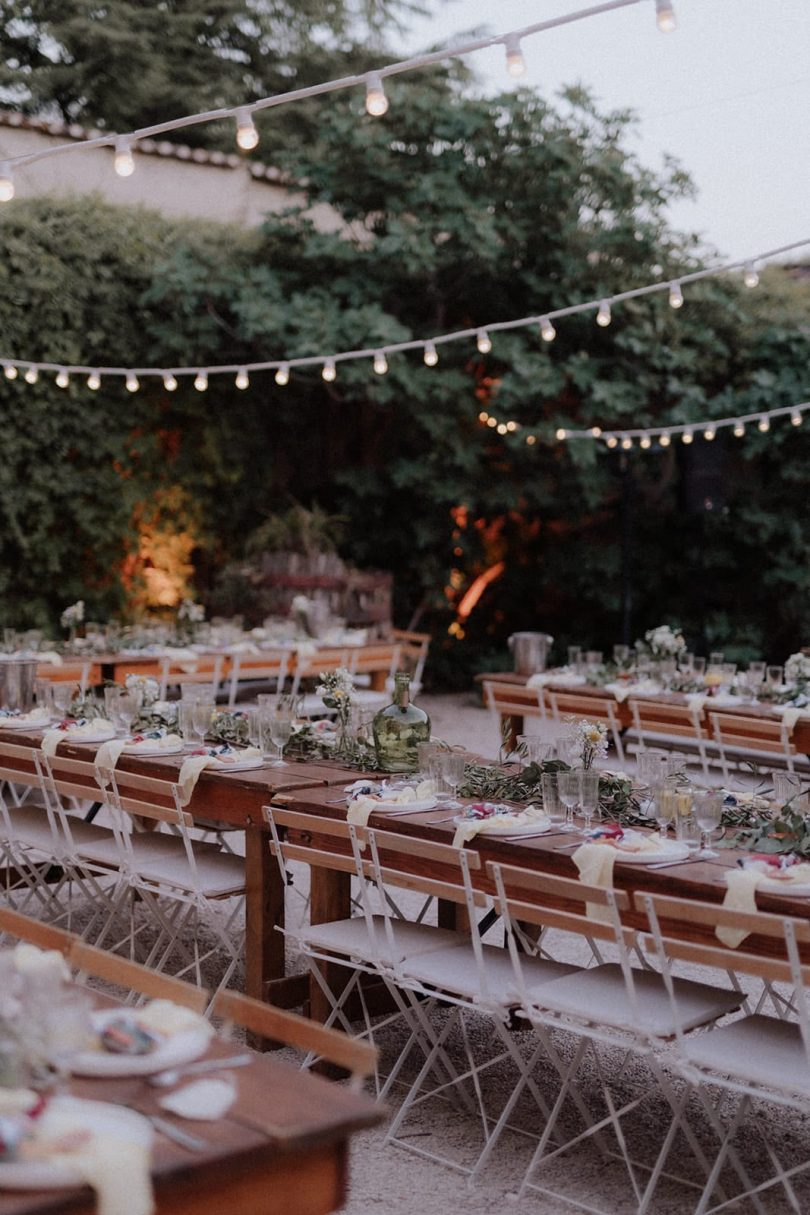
(530, 651)
(17, 676)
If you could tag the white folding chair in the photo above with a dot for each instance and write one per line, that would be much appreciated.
(268, 667)
(741, 739)
(601, 709)
(179, 673)
(369, 660)
(658, 723)
(309, 666)
(413, 653)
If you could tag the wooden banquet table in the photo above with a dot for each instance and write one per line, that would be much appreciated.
(800, 736)
(280, 1150)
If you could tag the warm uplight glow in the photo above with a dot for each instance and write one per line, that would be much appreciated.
(477, 588)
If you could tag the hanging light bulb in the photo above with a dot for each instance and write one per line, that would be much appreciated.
(531, 440)
(431, 355)
(515, 63)
(665, 439)
(492, 422)
(511, 427)
(6, 182)
(380, 362)
(31, 375)
(796, 417)
(665, 16)
(483, 341)
(560, 433)
(201, 381)
(709, 433)
(501, 428)
(242, 378)
(10, 371)
(627, 443)
(62, 378)
(376, 100)
(132, 382)
(687, 437)
(750, 276)
(124, 161)
(764, 424)
(94, 381)
(483, 416)
(645, 441)
(596, 431)
(739, 430)
(675, 295)
(611, 441)
(603, 316)
(169, 382)
(283, 375)
(547, 330)
(246, 134)
(329, 371)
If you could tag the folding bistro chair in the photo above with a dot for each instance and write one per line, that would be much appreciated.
(413, 652)
(742, 739)
(309, 666)
(367, 661)
(510, 704)
(594, 708)
(183, 673)
(268, 667)
(658, 723)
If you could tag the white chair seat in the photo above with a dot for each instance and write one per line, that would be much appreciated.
(217, 876)
(31, 829)
(599, 996)
(760, 1049)
(103, 848)
(352, 937)
(456, 970)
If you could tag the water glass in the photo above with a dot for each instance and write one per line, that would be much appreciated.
(197, 691)
(278, 723)
(63, 692)
(716, 658)
(708, 812)
(621, 654)
(787, 787)
(698, 667)
(651, 767)
(185, 720)
(728, 670)
(552, 805)
(454, 764)
(667, 669)
(757, 670)
(565, 747)
(662, 807)
(536, 750)
(774, 676)
(201, 713)
(588, 796)
(568, 788)
(686, 663)
(593, 659)
(574, 657)
(43, 691)
(253, 719)
(425, 752)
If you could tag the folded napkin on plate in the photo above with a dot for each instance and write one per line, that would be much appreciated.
(361, 807)
(206, 1100)
(50, 657)
(119, 1171)
(190, 771)
(696, 701)
(185, 658)
(742, 890)
(791, 715)
(595, 864)
(107, 757)
(51, 740)
(477, 826)
(167, 1018)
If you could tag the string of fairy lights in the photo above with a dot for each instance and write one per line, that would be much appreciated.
(377, 104)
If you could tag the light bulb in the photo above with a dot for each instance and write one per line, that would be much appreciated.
(561, 433)
(645, 442)
(246, 134)
(596, 431)
(739, 430)
(132, 382)
(6, 182)
(376, 100)
(664, 440)
(687, 437)
(675, 295)
(62, 379)
(611, 441)
(547, 330)
(10, 371)
(329, 371)
(501, 428)
(764, 425)
(627, 443)
(603, 316)
(431, 355)
(750, 276)
(531, 440)
(169, 382)
(492, 422)
(283, 375)
(511, 427)
(796, 417)
(709, 433)
(483, 416)
(124, 161)
(380, 362)
(201, 381)
(665, 16)
(242, 379)
(483, 341)
(515, 63)
(31, 375)
(94, 381)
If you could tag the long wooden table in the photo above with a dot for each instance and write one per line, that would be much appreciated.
(282, 1148)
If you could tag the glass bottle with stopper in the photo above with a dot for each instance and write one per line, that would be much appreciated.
(399, 728)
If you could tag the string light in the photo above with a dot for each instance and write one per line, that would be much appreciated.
(515, 63)
(31, 375)
(611, 441)
(531, 440)
(380, 362)
(665, 439)
(796, 417)
(483, 416)
(675, 295)
(665, 16)
(501, 428)
(709, 433)
(561, 433)
(62, 379)
(511, 427)
(431, 355)
(645, 442)
(376, 100)
(750, 276)
(329, 371)
(687, 437)
(282, 376)
(201, 381)
(170, 382)
(124, 162)
(94, 381)
(627, 443)
(764, 424)
(10, 371)
(547, 330)
(739, 430)
(492, 422)
(6, 182)
(483, 341)
(247, 137)
(132, 383)
(242, 378)
(603, 316)
(596, 431)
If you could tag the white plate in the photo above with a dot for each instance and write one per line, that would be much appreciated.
(492, 827)
(775, 886)
(384, 807)
(87, 736)
(66, 1114)
(670, 850)
(151, 747)
(174, 1051)
(24, 723)
(239, 765)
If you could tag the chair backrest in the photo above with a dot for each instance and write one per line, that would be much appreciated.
(71, 777)
(368, 659)
(314, 839)
(513, 699)
(594, 708)
(147, 797)
(559, 902)
(413, 652)
(751, 733)
(308, 666)
(179, 673)
(18, 764)
(270, 664)
(66, 672)
(412, 863)
(661, 717)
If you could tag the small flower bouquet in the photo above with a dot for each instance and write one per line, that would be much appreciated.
(335, 690)
(590, 742)
(664, 641)
(797, 669)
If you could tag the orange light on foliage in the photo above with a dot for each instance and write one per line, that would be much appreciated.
(477, 588)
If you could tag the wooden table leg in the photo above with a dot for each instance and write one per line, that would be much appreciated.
(264, 909)
(330, 899)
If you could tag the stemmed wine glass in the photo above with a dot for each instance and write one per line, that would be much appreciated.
(588, 797)
(201, 713)
(568, 789)
(708, 812)
(278, 720)
(453, 766)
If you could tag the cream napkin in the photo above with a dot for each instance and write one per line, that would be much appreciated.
(107, 757)
(119, 1171)
(595, 864)
(620, 691)
(190, 773)
(186, 659)
(49, 657)
(790, 716)
(51, 740)
(479, 826)
(740, 896)
(206, 1100)
(696, 701)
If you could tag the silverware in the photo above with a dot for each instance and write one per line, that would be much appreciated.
(172, 1075)
(563, 847)
(192, 1143)
(687, 860)
(532, 835)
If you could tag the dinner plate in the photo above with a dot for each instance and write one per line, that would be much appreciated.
(492, 827)
(239, 765)
(174, 1051)
(152, 747)
(87, 736)
(799, 890)
(387, 807)
(669, 850)
(63, 1115)
(24, 723)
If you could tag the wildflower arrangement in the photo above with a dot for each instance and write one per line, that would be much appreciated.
(797, 669)
(73, 615)
(335, 690)
(190, 612)
(664, 641)
(590, 742)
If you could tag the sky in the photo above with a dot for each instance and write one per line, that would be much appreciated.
(727, 94)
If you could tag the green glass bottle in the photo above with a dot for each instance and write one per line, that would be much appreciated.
(398, 728)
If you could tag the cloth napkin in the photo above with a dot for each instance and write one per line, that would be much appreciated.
(206, 1100)
(119, 1171)
(696, 701)
(791, 715)
(477, 826)
(566, 679)
(595, 864)
(50, 657)
(51, 740)
(185, 658)
(107, 757)
(742, 890)
(190, 773)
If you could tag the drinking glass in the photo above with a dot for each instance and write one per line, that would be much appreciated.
(425, 751)
(574, 657)
(774, 676)
(651, 767)
(536, 750)
(185, 721)
(279, 727)
(757, 669)
(254, 726)
(667, 669)
(787, 788)
(190, 692)
(621, 653)
(453, 767)
(120, 709)
(728, 670)
(686, 663)
(564, 746)
(716, 658)
(662, 807)
(568, 788)
(698, 667)
(708, 811)
(593, 659)
(43, 690)
(553, 806)
(588, 797)
(63, 695)
(201, 713)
